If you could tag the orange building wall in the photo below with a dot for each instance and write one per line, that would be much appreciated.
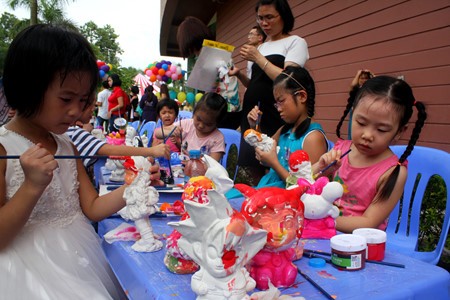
(393, 37)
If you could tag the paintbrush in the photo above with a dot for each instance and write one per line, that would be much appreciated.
(258, 120)
(170, 179)
(170, 133)
(318, 287)
(330, 165)
(65, 156)
(312, 254)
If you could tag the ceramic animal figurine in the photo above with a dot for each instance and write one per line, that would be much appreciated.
(320, 212)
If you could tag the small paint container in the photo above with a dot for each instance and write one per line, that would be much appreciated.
(376, 242)
(348, 252)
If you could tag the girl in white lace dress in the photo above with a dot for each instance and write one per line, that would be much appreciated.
(48, 248)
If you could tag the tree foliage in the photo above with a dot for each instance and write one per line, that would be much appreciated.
(103, 41)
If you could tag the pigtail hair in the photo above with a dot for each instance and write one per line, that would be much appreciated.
(388, 187)
(348, 107)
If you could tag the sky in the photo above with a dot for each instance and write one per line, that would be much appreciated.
(137, 22)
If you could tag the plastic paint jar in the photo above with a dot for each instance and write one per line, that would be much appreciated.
(376, 242)
(348, 252)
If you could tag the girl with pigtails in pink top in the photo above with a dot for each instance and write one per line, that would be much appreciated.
(372, 175)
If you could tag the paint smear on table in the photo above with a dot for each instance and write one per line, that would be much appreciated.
(325, 274)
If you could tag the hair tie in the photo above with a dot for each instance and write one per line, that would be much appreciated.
(295, 80)
(399, 163)
(415, 102)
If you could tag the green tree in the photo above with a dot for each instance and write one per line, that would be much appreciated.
(41, 7)
(10, 26)
(103, 41)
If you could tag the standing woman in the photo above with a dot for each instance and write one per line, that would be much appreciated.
(117, 101)
(148, 105)
(278, 51)
(164, 92)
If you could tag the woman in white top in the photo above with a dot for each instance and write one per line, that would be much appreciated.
(278, 51)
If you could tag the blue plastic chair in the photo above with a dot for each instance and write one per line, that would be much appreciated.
(134, 124)
(403, 226)
(330, 145)
(148, 129)
(184, 114)
(232, 137)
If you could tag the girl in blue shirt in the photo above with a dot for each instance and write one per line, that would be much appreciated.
(294, 94)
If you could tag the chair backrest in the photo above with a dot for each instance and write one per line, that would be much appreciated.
(232, 137)
(184, 114)
(403, 226)
(135, 124)
(330, 145)
(148, 129)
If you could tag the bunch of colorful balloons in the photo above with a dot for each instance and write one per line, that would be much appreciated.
(164, 71)
(103, 69)
(190, 97)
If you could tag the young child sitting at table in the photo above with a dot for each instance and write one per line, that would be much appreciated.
(167, 111)
(373, 176)
(89, 145)
(201, 132)
(294, 94)
(48, 247)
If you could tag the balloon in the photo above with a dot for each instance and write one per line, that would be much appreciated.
(190, 97)
(161, 72)
(178, 70)
(104, 68)
(165, 67)
(181, 96)
(169, 80)
(158, 65)
(174, 76)
(155, 70)
(159, 77)
(153, 78)
(165, 78)
(168, 73)
(100, 63)
(110, 66)
(198, 96)
(149, 73)
(180, 76)
(101, 73)
(158, 94)
(172, 94)
(173, 68)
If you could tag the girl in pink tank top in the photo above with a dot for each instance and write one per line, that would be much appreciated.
(372, 175)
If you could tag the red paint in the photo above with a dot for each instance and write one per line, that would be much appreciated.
(229, 258)
(376, 251)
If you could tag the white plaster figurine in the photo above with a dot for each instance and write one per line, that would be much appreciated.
(129, 136)
(117, 169)
(258, 140)
(299, 167)
(320, 211)
(221, 242)
(142, 199)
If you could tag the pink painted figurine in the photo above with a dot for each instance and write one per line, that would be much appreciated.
(320, 212)
(280, 213)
